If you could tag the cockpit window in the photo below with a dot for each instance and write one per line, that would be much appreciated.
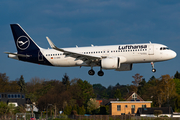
(164, 48)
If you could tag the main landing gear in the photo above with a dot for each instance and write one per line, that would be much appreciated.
(92, 72)
(153, 69)
(101, 73)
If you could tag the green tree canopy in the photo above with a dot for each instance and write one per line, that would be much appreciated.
(177, 75)
(22, 84)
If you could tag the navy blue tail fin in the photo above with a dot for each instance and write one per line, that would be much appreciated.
(23, 41)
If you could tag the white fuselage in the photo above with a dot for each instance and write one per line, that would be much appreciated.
(131, 53)
(117, 57)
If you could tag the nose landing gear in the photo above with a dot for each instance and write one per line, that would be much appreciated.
(153, 69)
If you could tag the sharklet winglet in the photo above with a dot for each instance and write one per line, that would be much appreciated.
(52, 45)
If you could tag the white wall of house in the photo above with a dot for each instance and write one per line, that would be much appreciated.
(151, 115)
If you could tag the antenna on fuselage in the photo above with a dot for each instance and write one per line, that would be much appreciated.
(150, 42)
(76, 46)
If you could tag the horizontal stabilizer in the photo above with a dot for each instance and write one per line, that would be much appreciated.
(20, 55)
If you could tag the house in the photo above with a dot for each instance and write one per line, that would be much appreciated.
(130, 106)
(127, 107)
(13, 98)
(149, 112)
(134, 97)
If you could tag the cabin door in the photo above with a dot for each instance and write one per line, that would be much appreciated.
(40, 56)
(151, 49)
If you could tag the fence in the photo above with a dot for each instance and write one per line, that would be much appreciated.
(23, 116)
(91, 117)
(154, 118)
(102, 117)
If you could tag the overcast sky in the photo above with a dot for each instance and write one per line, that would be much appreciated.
(84, 22)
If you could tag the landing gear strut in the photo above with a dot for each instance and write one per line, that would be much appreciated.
(153, 69)
(101, 73)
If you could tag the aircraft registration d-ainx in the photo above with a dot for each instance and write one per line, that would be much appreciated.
(117, 57)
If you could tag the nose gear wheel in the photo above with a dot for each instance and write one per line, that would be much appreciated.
(153, 69)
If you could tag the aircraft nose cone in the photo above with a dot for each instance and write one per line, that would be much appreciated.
(173, 54)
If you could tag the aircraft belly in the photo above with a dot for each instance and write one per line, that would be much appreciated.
(63, 62)
(139, 58)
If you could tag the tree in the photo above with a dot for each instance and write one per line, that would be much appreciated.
(177, 75)
(176, 102)
(22, 84)
(92, 105)
(81, 110)
(137, 80)
(165, 89)
(33, 91)
(4, 108)
(141, 88)
(65, 81)
(85, 92)
(104, 110)
(12, 87)
(117, 94)
(67, 110)
(4, 82)
(100, 91)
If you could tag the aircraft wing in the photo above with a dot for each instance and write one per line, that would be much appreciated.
(86, 58)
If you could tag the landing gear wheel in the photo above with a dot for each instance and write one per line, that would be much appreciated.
(91, 72)
(153, 70)
(100, 73)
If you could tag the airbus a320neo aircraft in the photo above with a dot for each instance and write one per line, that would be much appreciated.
(117, 57)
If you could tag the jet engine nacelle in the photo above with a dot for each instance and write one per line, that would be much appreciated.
(110, 63)
(125, 67)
